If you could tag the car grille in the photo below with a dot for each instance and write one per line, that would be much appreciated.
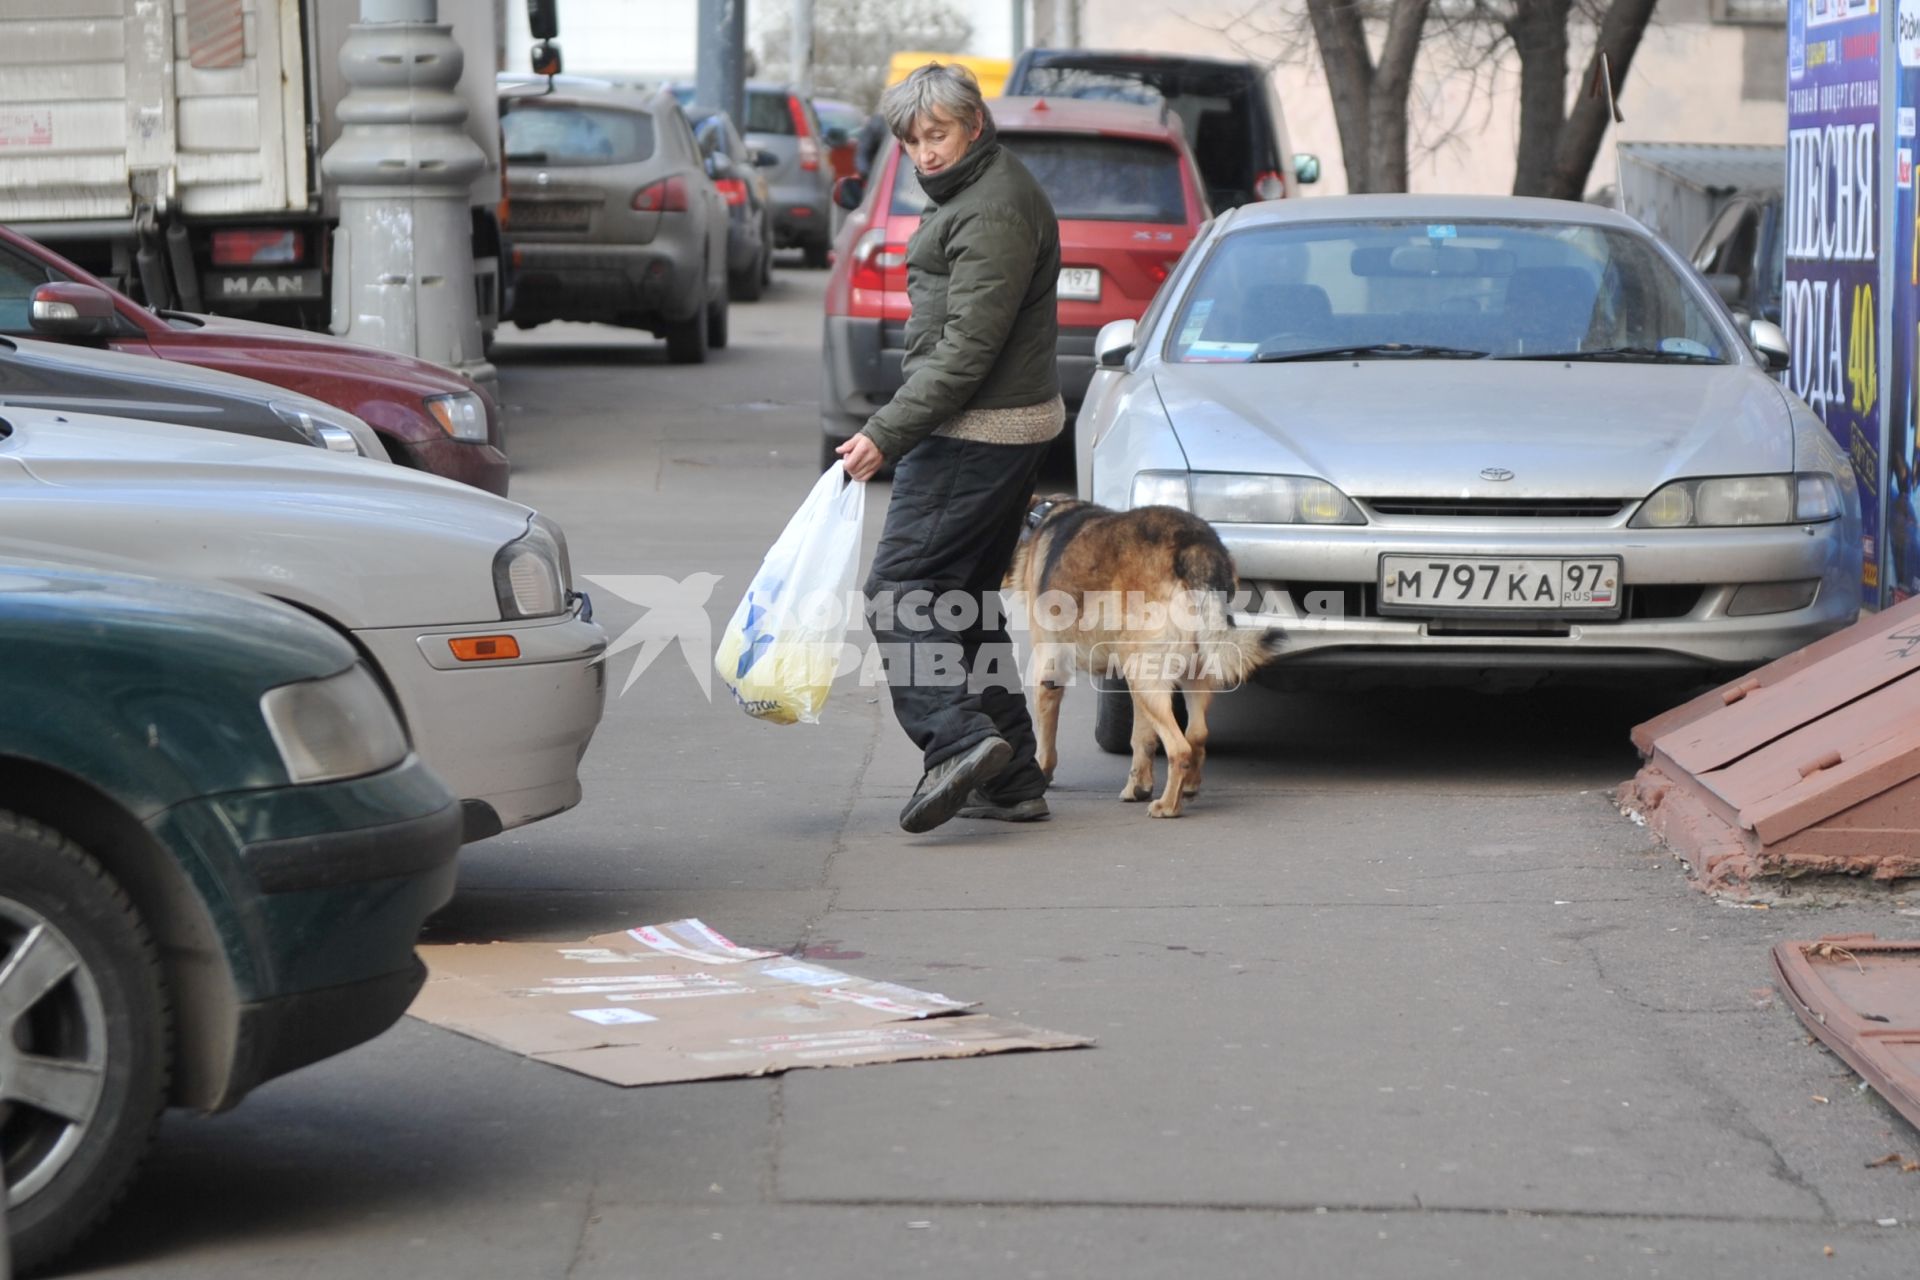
(1501, 508)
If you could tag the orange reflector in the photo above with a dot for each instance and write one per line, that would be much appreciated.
(484, 648)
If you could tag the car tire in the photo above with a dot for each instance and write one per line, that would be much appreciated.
(748, 285)
(687, 339)
(815, 253)
(105, 1017)
(766, 259)
(1113, 718)
(717, 323)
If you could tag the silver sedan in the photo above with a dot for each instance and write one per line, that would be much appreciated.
(1477, 432)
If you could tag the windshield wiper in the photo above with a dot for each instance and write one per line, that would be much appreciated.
(1414, 350)
(1639, 355)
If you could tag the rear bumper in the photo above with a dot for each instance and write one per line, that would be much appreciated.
(801, 216)
(618, 284)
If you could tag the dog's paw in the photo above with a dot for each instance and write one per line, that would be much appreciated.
(1164, 808)
(1190, 790)
(1131, 793)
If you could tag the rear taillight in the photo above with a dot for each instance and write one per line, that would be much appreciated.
(873, 257)
(669, 195)
(734, 189)
(258, 248)
(1270, 186)
(1159, 271)
(809, 145)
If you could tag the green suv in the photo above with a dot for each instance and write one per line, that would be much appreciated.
(216, 851)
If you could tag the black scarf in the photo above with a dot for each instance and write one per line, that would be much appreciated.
(951, 181)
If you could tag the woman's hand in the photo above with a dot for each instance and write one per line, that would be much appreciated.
(862, 457)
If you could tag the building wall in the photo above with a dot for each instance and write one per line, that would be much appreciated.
(1693, 80)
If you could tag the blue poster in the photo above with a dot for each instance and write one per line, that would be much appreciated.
(1830, 312)
(1903, 520)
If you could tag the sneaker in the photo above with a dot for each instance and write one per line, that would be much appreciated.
(979, 806)
(945, 787)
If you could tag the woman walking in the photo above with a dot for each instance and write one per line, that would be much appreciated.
(968, 430)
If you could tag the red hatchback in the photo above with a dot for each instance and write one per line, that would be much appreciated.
(1129, 202)
(429, 417)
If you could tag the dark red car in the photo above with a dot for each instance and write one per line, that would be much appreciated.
(1129, 201)
(429, 417)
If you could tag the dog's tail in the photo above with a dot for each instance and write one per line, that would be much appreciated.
(1232, 651)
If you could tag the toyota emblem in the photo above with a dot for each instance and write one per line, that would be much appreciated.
(1495, 473)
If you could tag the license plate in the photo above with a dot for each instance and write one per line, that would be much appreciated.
(1588, 584)
(527, 215)
(1080, 284)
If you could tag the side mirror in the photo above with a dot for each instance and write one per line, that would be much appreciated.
(546, 59)
(719, 165)
(1306, 168)
(1113, 344)
(850, 193)
(763, 158)
(68, 310)
(835, 137)
(1770, 344)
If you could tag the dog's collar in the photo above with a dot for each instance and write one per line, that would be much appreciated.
(1039, 514)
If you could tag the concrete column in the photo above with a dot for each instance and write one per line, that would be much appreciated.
(803, 47)
(721, 80)
(403, 168)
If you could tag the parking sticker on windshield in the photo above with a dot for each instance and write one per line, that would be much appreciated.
(1222, 350)
(1442, 231)
(1685, 347)
(1196, 321)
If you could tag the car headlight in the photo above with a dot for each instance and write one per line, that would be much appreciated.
(317, 431)
(462, 415)
(1161, 489)
(339, 727)
(1730, 501)
(531, 575)
(1221, 497)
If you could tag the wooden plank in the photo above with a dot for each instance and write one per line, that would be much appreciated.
(1876, 659)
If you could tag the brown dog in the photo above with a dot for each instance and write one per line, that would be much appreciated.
(1139, 594)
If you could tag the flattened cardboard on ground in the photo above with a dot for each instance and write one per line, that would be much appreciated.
(679, 1002)
(1862, 997)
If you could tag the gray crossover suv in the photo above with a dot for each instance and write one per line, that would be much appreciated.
(612, 214)
(784, 125)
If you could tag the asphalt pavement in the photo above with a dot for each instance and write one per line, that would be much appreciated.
(1402, 995)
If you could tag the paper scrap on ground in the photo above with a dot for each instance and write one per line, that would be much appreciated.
(674, 1002)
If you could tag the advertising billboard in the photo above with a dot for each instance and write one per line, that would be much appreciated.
(1831, 307)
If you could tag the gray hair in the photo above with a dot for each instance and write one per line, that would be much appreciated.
(937, 89)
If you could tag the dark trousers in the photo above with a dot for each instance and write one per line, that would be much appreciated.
(952, 525)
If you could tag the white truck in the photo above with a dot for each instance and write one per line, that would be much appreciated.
(1676, 188)
(173, 146)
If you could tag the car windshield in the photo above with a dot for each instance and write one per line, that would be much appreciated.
(1514, 290)
(769, 112)
(560, 134)
(1087, 178)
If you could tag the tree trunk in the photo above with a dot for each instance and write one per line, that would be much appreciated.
(1392, 81)
(1538, 29)
(1619, 38)
(1342, 38)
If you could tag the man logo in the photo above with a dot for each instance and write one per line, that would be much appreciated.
(1495, 473)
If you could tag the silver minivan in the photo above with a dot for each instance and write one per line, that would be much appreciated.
(612, 215)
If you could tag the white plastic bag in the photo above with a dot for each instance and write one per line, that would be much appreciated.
(779, 653)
